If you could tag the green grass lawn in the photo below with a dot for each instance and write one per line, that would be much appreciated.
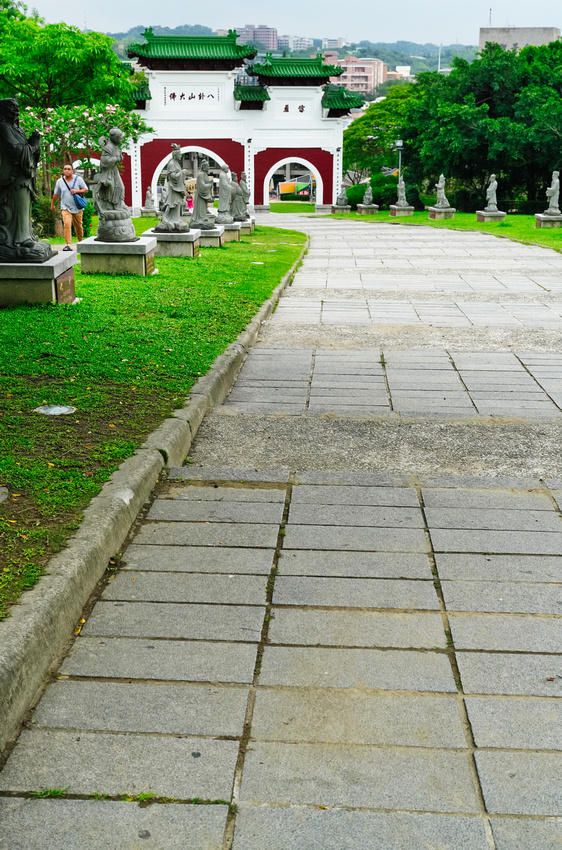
(291, 207)
(125, 357)
(521, 228)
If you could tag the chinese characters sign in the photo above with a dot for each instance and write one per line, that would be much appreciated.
(192, 97)
(294, 109)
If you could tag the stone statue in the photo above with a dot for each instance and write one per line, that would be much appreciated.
(18, 167)
(442, 201)
(237, 205)
(200, 217)
(368, 197)
(173, 197)
(149, 200)
(245, 192)
(108, 193)
(491, 195)
(225, 192)
(401, 202)
(553, 195)
(342, 198)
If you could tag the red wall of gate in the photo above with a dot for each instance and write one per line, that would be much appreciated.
(263, 161)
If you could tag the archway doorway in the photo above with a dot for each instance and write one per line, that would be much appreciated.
(191, 162)
(294, 179)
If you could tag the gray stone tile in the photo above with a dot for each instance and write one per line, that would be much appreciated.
(168, 660)
(502, 597)
(197, 559)
(226, 589)
(181, 510)
(125, 707)
(502, 673)
(355, 515)
(329, 775)
(516, 520)
(227, 473)
(90, 824)
(339, 717)
(516, 568)
(172, 620)
(307, 829)
(356, 538)
(363, 479)
(355, 495)
(505, 633)
(501, 482)
(354, 593)
(521, 783)
(514, 834)
(356, 628)
(224, 494)
(499, 542)
(520, 724)
(357, 668)
(86, 763)
(354, 564)
(208, 534)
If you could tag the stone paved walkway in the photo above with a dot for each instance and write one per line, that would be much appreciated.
(334, 647)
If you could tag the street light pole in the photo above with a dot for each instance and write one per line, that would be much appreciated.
(399, 144)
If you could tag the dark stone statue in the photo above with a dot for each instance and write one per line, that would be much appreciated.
(237, 205)
(18, 167)
(224, 216)
(108, 193)
(201, 218)
(368, 197)
(173, 197)
(245, 192)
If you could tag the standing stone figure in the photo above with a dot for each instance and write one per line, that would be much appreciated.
(18, 166)
(342, 198)
(173, 197)
(245, 192)
(149, 199)
(401, 202)
(491, 195)
(200, 217)
(108, 193)
(442, 201)
(237, 205)
(225, 192)
(368, 197)
(553, 195)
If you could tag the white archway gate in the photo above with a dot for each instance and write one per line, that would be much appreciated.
(184, 149)
(286, 161)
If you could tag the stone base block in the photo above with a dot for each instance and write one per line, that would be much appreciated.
(485, 215)
(212, 238)
(232, 231)
(51, 282)
(367, 209)
(262, 208)
(176, 244)
(398, 212)
(437, 213)
(147, 213)
(323, 208)
(542, 220)
(118, 257)
(336, 210)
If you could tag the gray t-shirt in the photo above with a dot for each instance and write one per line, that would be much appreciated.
(62, 189)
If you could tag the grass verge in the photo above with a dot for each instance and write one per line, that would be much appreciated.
(125, 357)
(291, 207)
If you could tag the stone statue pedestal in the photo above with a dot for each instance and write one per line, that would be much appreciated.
(121, 258)
(213, 238)
(367, 209)
(437, 213)
(398, 212)
(175, 244)
(337, 210)
(51, 282)
(247, 227)
(490, 215)
(147, 212)
(543, 220)
(232, 231)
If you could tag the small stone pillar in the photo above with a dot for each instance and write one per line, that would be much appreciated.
(367, 209)
(437, 213)
(176, 244)
(338, 209)
(490, 215)
(123, 258)
(213, 238)
(51, 282)
(399, 211)
(545, 220)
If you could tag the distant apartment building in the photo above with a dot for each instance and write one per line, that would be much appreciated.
(333, 43)
(513, 38)
(360, 75)
(265, 35)
(294, 42)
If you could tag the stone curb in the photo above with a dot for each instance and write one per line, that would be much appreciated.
(40, 624)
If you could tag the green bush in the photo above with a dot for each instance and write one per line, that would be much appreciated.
(355, 194)
(294, 197)
(385, 190)
(465, 201)
(87, 219)
(43, 217)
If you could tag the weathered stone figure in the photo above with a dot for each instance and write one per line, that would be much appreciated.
(368, 197)
(200, 218)
(149, 199)
(18, 165)
(342, 198)
(553, 195)
(245, 192)
(108, 193)
(225, 192)
(401, 202)
(441, 199)
(237, 205)
(173, 197)
(491, 195)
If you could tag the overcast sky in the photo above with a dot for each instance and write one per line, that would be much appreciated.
(445, 21)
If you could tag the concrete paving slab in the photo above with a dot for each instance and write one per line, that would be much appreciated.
(167, 660)
(506, 633)
(521, 783)
(516, 834)
(330, 775)
(357, 668)
(520, 724)
(515, 568)
(354, 564)
(224, 494)
(354, 593)
(85, 825)
(480, 519)
(126, 707)
(486, 500)
(355, 515)
(86, 763)
(233, 589)
(307, 829)
(517, 674)
(197, 559)
(498, 542)
(355, 495)
(503, 597)
(356, 538)
(235, 512)
(208, 534)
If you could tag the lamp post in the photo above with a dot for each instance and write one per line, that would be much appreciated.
(399, 145)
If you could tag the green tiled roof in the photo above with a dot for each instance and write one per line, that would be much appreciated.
(191, 47)
(278, 67)
(142, 91)
(250, 93)
(338, 97)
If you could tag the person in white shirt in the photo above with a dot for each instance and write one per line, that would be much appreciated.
(66, 187)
